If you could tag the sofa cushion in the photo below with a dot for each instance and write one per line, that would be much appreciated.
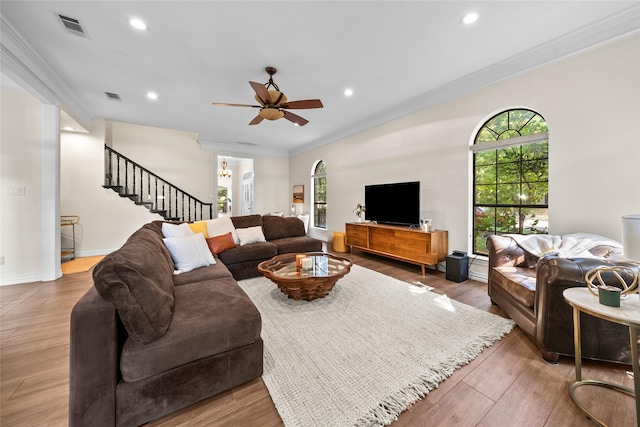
(244, 221)
(276, 227)
(519, 282)
(253, 252)
(210, 318)
(138, 281)
(212, 272)
(297, 245)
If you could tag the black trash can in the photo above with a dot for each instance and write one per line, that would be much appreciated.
(457, 267)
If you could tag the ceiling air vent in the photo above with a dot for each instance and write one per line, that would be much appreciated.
(73, 26)
(246, 143)
(113, 96)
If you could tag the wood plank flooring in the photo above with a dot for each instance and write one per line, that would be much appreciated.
(507, 385)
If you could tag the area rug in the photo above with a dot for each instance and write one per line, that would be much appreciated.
(80, 265)
(364, 353)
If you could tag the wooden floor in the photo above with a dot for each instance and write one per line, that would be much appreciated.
(507, 385)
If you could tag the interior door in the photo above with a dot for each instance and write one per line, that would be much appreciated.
(247, 194)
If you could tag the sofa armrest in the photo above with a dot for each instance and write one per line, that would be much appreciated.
(93, 362)
(554, 317)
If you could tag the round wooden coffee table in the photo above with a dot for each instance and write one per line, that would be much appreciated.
(305, 284)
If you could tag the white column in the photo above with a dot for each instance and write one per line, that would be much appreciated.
(51, 269)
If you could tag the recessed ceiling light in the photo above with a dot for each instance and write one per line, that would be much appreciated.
(469, 18)
(152, 95)
(138, 24)
(348, 92)
(68, 129)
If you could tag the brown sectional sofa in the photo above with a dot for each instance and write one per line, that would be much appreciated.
(146, 342)
(529, 290)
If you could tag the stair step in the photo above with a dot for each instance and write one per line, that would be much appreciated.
(147, 205)
(133, 197)
(116, 188)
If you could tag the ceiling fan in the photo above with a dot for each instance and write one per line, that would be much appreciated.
(274, 104)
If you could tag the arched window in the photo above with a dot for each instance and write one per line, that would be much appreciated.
(319, 185)
(510, 176)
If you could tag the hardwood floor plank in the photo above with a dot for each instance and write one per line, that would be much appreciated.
(462, 406)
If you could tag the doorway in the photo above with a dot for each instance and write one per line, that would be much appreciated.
(234, 185)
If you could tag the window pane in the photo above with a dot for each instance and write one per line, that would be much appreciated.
(535, 193)
(536, 221)
(519, 118)
(509, 173)
(485, 158)
(486, 174)
(485, 194)
(538, 150)
(507, 220)
(320, 216)
(535, 125)
(509, 194)
(535, 171)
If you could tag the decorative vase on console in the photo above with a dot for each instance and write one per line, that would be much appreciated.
(360, 210)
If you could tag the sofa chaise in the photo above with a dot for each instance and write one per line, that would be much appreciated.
(527, 275)
(150, 338)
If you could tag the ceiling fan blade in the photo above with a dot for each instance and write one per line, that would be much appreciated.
(306, 103)
(295, 118)
(257, 119)
(224, 104)
(262, 92)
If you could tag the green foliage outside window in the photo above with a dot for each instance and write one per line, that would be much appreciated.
(511, 184)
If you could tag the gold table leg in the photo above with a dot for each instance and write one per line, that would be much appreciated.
(580, 382)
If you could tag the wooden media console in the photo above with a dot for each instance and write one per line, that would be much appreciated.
(406, 244)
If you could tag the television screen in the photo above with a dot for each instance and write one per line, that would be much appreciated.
(397, 203)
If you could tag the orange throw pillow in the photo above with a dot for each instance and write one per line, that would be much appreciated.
(219, 244)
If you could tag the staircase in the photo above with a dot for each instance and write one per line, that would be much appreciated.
(145, 188)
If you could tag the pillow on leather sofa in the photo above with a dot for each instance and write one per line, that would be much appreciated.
(276, 227)
(138, 281)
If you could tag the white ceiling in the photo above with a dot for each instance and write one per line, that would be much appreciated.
(398, 56)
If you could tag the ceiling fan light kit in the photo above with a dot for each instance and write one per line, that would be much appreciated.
(274, 103)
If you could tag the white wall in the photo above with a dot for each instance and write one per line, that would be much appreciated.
(106, 219)
(20, 166)
(173, 155)
(591, 103)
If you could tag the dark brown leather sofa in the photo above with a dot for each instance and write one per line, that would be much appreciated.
(146, 342)
(529, 290)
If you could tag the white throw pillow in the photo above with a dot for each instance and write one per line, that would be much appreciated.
(220, 227)
(250, 235)
(176, 230)
(189, 252)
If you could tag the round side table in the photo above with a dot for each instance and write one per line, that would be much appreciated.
(627, 314)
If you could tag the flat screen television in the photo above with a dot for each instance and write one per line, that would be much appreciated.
(397, 203)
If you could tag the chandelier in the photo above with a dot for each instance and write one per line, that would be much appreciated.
(224, 173)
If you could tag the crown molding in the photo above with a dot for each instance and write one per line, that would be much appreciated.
(22, 64)
(615, 27)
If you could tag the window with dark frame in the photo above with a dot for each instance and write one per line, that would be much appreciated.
(319, 178)
(510, 176)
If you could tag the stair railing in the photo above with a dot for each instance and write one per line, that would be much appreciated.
(145, 188)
